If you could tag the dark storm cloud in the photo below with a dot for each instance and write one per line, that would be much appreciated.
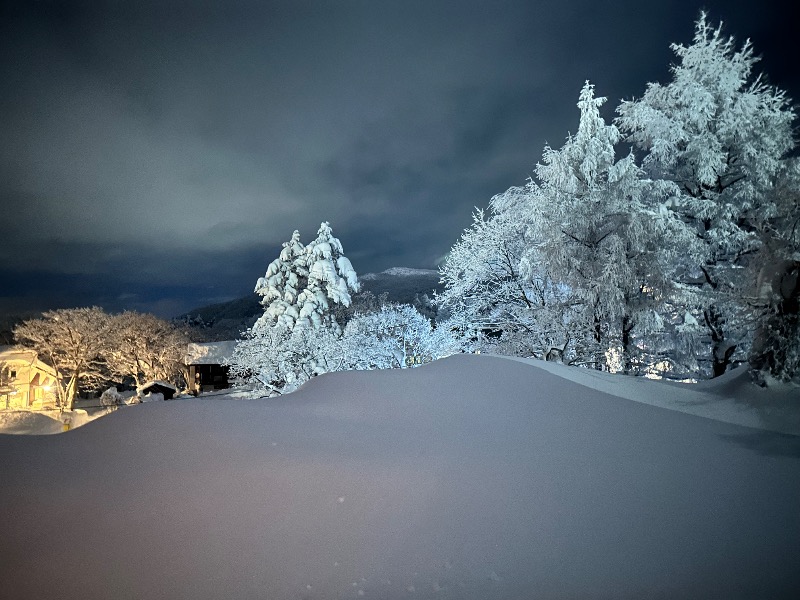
(164, 150)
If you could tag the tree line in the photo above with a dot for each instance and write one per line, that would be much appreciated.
(664, 242)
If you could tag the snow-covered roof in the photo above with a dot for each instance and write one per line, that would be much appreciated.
(209, 353)
(156, 382)
(19, 354)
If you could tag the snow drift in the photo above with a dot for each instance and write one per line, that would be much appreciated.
(473, 477)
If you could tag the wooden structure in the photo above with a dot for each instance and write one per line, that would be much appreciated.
(26, 382)
(206, 366)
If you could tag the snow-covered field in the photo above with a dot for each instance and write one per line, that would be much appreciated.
(474, 477)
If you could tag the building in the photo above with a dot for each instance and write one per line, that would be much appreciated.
(25, 381)
(206, 365)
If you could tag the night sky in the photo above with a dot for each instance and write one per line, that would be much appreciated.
(155, 154)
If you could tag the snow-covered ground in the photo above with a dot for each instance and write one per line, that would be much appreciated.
(732, 398)
(474, 477)
(46, 422)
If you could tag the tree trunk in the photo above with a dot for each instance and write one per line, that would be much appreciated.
(721, 350)
(69, 393)
(599, 362)
(627, 328)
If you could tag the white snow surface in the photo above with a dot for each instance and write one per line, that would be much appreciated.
(731, 398)
(45, 422)
(473, 477)
(27, 422)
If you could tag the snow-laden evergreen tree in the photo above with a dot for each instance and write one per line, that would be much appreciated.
(300, 285)
(298, 336)
(599, 226)
(719, 136)
(281, 285)
(331, 277)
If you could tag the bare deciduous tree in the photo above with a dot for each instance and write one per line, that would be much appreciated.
(72, 340)
(144, 347)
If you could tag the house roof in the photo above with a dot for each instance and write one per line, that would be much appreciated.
(17, 354)
(209, 353)
(28, 356)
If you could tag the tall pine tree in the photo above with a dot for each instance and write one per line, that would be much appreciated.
(596, 222)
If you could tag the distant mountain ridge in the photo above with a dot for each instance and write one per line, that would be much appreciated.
(401, 272)
(226, 320)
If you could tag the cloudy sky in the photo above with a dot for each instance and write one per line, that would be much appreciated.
(156, 153)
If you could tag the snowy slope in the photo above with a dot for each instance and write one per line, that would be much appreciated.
(473, 477)
(731, 398)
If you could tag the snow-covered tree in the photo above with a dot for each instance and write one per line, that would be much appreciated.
(285, 278)
(279, 360)
(145, 348)
(73, 341)
(298, 336)
(485, 287)
(395, 337)
(304, 282)
(598, 225)
(331, 277)
(718, 135)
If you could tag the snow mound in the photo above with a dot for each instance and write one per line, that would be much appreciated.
(47, 422)
(472, 477)
(29, 423)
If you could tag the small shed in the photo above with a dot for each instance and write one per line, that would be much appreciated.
(207, 365)
(158, 387)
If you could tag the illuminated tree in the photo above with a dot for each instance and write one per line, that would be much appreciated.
(281, 284)
(298, 336)
(300, 286)
(595, 223)
(330, 277)
(719, 137)
(394, 337)
(144, 347)
(73, 341)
